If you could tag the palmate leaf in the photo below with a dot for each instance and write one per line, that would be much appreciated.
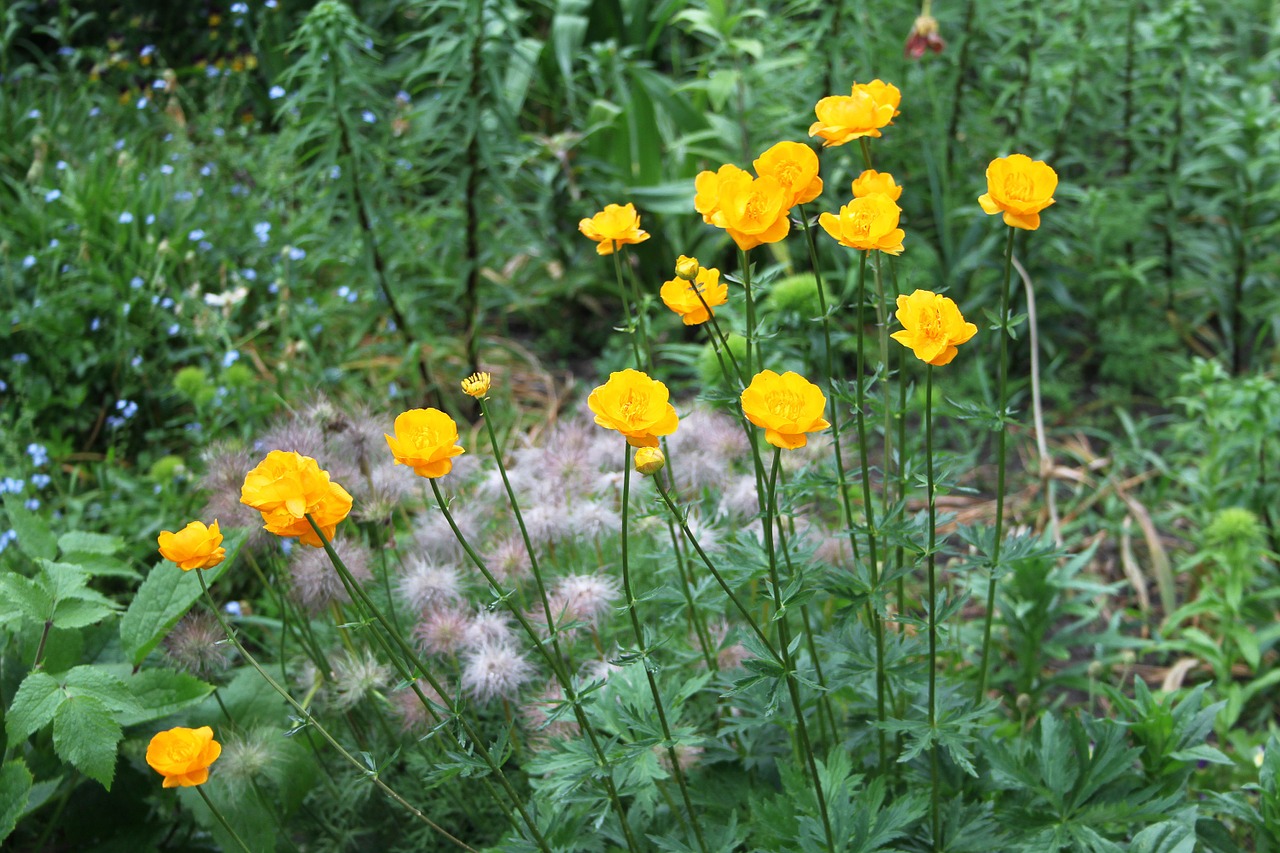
(85, 734)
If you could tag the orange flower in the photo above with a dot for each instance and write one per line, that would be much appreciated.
(753, 210)
(844, 118)
(884, 93)
(872, 181)
(193, 547)
(707, 187)
(681, 295)
(426, 440)
(786, 407)
(795, 166)
(182, 756)
(636, 406)
(932, 326)
(286, 487)
(870, 222)
(616, 225)
(1021, 188)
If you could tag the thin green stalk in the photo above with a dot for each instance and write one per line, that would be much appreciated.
(643, 650)
(868, 510)
(1001, 403)
(715, 573)
(933, 606)
(845, 500)
(313, 722)
(751, 311)
(632, 326)
(784, 644)
(217, 813)
(556, 666)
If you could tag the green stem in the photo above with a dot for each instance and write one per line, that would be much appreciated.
(933, 605)
(222, 820)
(877, 625)
(632, 326)
(784, 644)
(313, 722)
(845, 498)
(643, 650)
(556, 666)
(1001, 403)
(751, 311)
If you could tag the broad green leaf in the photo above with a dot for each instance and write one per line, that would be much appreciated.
(85, 734)
(33, 706)
(163, 598)
(158, 693)
(81, 542)
(101, 565)
(96, 683)
(34, 537)
(79, 612)
(15, 789)
(26, 597)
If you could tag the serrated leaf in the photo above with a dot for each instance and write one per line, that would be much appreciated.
(15, 789)
(82, 542)
(162, 599)
(96, 683)
(100, 565)
(80, 613)
(85, 734)
(1177, 835)
(33, 706)
(34, 537)
(26, 596)
(158, 693)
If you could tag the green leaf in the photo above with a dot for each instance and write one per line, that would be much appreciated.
(96, 683)
(33, 706)
(15, 788)
(25, 598)
(81, 542)
(80, 612)
(162, 599)
(85, 734)
(1177, 835)
(158, 693)
(34, 537)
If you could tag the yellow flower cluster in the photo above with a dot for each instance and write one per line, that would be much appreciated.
(866, 109)
(755, 210)
(692, 296)
(286, 487)
(616, 225)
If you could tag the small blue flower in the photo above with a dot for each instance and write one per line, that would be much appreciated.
(135, 362)
(217, 131)
(263, 231)
(206, 170)
(174, 329)
(276, 93)
(296, 254)
(211, 71)
(147, 50)
(53, 244)
(166, 169)
(33, 114)
(5, 538)
(119, 145)
(151, 218)
(142, 103)
(196, 236)
(125, 218)
(249, 274)
(39, 454)
(166, 303)
(11, 485)
(28, 262)
(205, 245)
(393, 390)
(136, 282)
(95, 324)
(4, 386)
(183, 195)
(61, 165)
(230, 357)
(21, 358)
(52, 196)
(233, 608)
(93, 113)
(157, 84)
(335, 173)
(33, 504)
(368, 117)
(41, 480)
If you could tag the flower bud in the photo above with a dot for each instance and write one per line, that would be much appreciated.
(650, 460)
(477, 384)
(1024, 703)
(687, 268)
(924, 37)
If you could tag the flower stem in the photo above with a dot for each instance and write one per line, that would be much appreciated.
(1001, 403)
(632, 325)
(868, 509)
(845, 499)
(556, 666)
(784, 644)
(311, 721)
(751, 310)
(217, 813)
(931, 562)
(643, 650)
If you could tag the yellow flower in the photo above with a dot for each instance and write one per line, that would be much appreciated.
(636, 406)
(752, 210)
(932, 326)
(870, 222)
(649, 460)
(884, 93)
(786, 407)
(872, 181)
(616, 225)
(687, 268)
(426, 440)
(286, 487)
(477, 384)
(707, 187)
(193, 547)
(844, 118)
(681, 295)
(795, 166)
(1021, 188)
(182, 756)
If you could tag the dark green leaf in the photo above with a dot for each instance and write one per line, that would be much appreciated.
(85, 734)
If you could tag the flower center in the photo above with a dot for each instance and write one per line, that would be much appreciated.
(1017, 186)
(931, 324)
(423, 438)
(633, 405)
(787, 173)
(859, 224)
(785, 403)
(755, 208)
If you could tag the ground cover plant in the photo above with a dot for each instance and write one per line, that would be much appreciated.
(582, 426)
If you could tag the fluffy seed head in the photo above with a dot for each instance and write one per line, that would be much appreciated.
(426, 585)
(315, 581)
(413, 716)
(443, 630)
(356, 676)
(494, 671)
(198, 645)
(489, 628)
(509, 561)
(582, 598)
